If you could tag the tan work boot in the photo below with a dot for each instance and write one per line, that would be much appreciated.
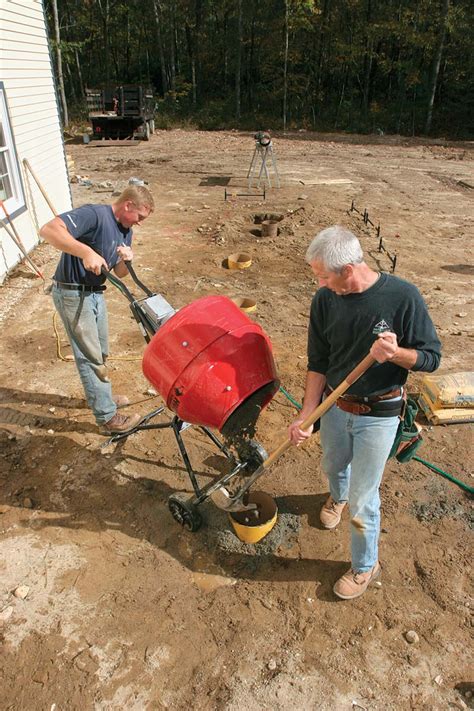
(353, 584)
(120, 423)
(331, 512)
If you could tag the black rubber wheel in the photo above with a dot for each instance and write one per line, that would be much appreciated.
(146, 133)
(184, 513)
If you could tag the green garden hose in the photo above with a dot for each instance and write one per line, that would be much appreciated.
(290, 398)
(469, 489)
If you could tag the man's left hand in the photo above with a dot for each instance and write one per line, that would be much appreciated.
(385, 347)
(125, 253)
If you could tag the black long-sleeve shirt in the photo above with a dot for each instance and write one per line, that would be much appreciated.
(343, 328)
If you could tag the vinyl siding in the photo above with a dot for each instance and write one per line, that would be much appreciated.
(26, 73)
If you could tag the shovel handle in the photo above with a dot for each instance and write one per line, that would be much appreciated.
(319, 411)
(42, 190)
(16, 239)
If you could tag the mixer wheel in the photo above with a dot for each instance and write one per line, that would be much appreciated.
(184, 512)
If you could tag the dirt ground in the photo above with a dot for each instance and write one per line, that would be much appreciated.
(126, 610)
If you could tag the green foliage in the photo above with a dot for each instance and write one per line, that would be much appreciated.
(355, 65)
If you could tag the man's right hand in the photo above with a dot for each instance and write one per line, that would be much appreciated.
(296, 434)
(93, 262)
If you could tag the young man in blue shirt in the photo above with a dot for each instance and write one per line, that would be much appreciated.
(93, 237)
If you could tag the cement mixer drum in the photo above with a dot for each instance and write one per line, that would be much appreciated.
(212, 365)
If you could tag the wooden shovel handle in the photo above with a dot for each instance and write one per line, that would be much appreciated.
(350, 379)
(27, 165)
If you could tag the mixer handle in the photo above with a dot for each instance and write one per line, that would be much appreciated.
(137, 281)
(118, 283)
(123, 287)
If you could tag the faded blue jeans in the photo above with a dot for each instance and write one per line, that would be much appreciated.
(355, 450)
(84, 316)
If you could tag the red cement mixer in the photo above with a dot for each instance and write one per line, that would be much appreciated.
(209, 361)
(214, 368)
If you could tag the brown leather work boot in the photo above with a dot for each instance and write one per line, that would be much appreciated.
(120, 423)
(353, 584)
(331, 512)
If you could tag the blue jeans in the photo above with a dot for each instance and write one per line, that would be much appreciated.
(84, 316)
(355, 450)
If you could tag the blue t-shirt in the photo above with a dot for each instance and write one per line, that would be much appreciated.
(96, 226)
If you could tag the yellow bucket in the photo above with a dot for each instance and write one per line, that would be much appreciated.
(250, 528)
(245, 304)
(239, 260)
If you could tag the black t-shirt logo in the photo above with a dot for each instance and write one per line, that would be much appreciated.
(381, 327)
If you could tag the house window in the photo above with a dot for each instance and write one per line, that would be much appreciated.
(11, 190)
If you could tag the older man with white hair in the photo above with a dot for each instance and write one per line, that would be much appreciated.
(357, 310)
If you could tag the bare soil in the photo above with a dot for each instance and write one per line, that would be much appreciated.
(126, 610)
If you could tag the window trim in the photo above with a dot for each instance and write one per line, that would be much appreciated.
(19, 206)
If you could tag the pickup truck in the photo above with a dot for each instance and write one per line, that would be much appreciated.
(121, 113)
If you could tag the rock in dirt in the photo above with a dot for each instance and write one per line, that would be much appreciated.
(6, 614)
(27, 503)
(412, 637)
(272, 665)
(21, 591)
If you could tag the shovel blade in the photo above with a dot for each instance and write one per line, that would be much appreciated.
(223, 500)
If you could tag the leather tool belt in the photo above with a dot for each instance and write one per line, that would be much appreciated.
(373, 405)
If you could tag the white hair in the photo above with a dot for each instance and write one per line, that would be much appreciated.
(335, 247)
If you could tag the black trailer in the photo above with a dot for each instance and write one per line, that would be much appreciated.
(121, 113)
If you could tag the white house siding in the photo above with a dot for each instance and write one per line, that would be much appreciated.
(26, 73)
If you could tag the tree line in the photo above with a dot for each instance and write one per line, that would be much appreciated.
(391, 66)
